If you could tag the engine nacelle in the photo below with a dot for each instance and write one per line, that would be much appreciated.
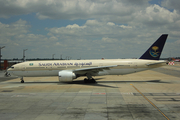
(66, 76)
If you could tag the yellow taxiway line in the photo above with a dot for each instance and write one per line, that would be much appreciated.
(151, 103)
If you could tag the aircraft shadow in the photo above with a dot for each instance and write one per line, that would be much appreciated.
(89, 84)
(153, 81)
(34, 82)
(81, 82)
(6, 78)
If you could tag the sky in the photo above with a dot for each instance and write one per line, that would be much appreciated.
(87, 29)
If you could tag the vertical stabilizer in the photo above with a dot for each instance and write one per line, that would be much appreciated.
(154, 52)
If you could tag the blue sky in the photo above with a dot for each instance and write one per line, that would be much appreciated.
(87, 29)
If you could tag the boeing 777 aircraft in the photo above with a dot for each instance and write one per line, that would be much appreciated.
(67, 70)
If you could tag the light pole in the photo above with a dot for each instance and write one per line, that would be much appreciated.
(24, 54)
(53, 56)
(1, 55)
(61, 57)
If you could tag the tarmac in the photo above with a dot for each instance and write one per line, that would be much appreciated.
(148, 95)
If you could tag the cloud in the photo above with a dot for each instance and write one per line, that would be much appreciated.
(71, 40)
(156, 15)
(105, 38)
(16, 37)
(112, 11)
(112, 28)
(75, 26)
(91, 28)
(69, 9)
(110, 23)
(108, 40)
(115, 11)
(171, 4)
(93, 23)
(123, 26)
(16, 28)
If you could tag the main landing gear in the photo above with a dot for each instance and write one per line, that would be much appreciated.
(89, 79)
(22, 80)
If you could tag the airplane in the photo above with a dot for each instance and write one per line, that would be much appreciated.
(68, 70)
(176, 60)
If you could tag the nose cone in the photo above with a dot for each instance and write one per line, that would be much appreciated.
(10, 69)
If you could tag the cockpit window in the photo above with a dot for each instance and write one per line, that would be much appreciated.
(12, 67)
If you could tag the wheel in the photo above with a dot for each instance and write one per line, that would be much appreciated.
(85, 80)
(22, 81)
(89, 80)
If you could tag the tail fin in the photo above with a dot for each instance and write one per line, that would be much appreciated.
(154, 52)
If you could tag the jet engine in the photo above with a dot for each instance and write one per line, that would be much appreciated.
(66, 76)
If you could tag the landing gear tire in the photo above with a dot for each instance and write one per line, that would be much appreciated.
(85, 80)
(93, 80)
(22, 80)
(89, 80)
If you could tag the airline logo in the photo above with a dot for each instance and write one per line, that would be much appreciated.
(30, 64)
(154, 51)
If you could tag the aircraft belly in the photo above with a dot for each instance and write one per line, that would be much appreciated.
(38, 73)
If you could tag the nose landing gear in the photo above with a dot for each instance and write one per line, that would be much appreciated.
(22, 80)
(7, 74)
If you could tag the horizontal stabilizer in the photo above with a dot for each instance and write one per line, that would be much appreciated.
(151, 64)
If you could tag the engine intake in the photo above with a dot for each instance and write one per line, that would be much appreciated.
(66, 76)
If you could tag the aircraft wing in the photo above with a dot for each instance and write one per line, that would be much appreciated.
(94, 69)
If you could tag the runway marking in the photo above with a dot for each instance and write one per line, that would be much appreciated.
(151, 103)
(168, 99)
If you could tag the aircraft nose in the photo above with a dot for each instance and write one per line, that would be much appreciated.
(9, 69)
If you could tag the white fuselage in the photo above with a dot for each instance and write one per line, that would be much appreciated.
(51, 68)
